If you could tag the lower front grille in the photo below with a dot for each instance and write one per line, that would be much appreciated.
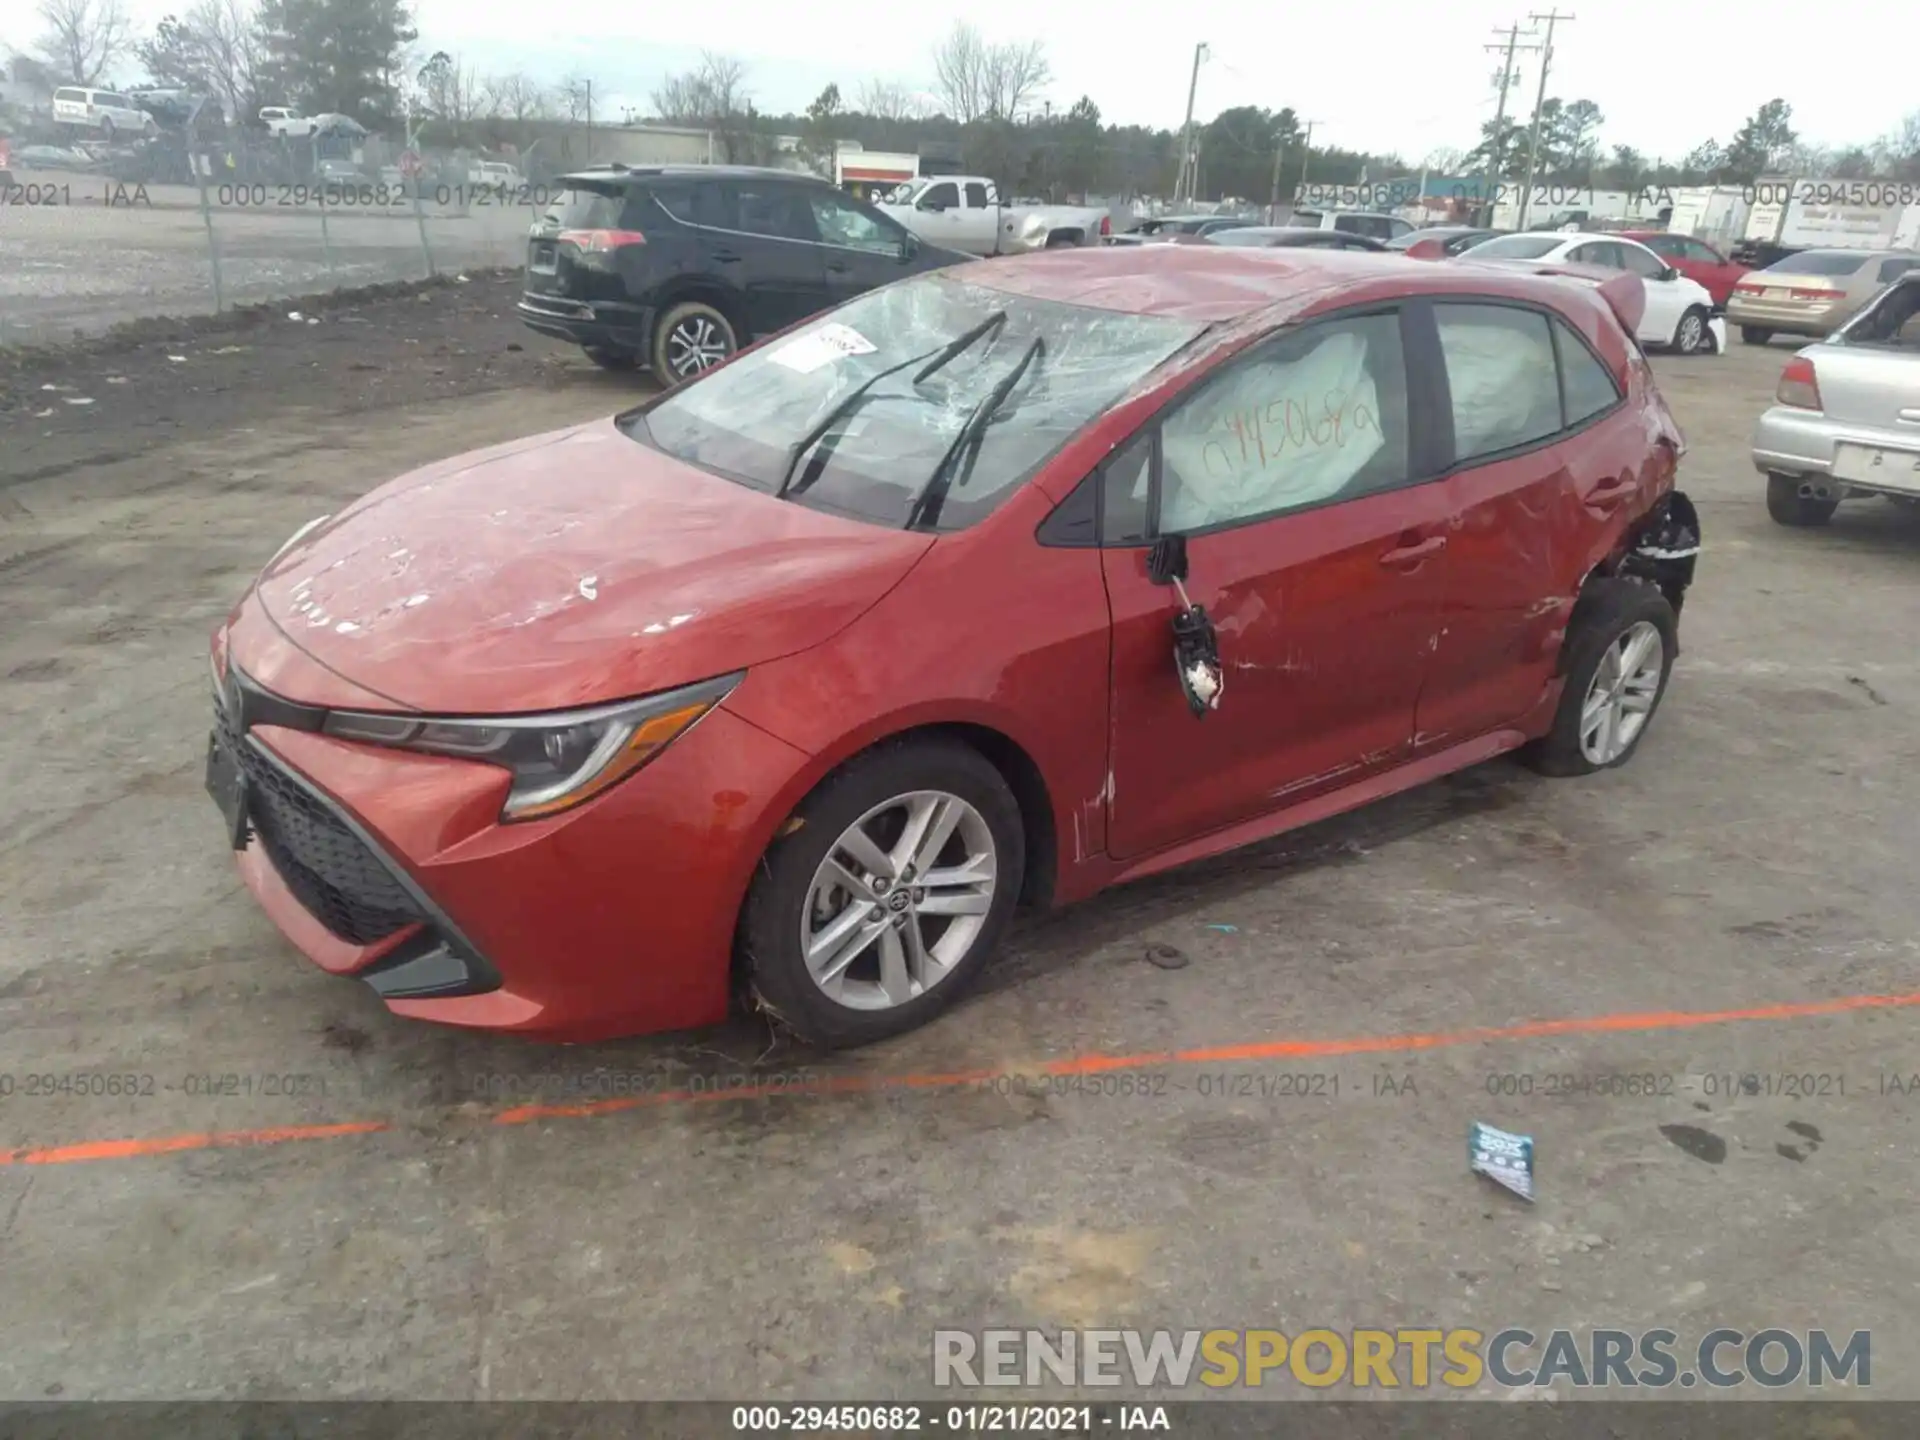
(329, 869)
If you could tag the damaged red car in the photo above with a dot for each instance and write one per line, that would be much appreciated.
(992, 588)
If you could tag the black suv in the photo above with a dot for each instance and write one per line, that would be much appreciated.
(676, 267)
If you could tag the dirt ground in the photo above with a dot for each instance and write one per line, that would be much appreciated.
(304, 1197)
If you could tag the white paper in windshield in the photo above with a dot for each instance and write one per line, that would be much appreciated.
(824, 346)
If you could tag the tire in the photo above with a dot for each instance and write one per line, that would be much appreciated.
(608, 358)
(1691, 336)
(784, 906)
(1612, 616)
(690, 339)
(1788, 506)
(1755, 335)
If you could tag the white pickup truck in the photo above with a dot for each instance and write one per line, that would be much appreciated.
(964, 213)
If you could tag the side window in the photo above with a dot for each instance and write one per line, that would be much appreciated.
(977, 196)
(1319, 415)
(1586, 386)
(1705, 254)
(1646, 266)
(695, 204)
(846, 225)
(946, 193)
(1599, 252)
(773, 209)
(1500, 369)
(1664, 244)
(1125, 497)
(1892, 270)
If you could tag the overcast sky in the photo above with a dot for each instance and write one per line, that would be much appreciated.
(1377, 76)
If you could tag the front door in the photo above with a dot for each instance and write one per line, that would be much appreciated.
(768, 251)
(1299, 475)
(860, 249)
(940, 219)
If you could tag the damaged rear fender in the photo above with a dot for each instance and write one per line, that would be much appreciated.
(1664, 546)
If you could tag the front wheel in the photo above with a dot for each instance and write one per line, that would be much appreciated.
(1692, 336)
(880, 910)
(1755, 334)
(689, 340)
(1621, 641)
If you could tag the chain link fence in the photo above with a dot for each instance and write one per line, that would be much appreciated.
(90, 240)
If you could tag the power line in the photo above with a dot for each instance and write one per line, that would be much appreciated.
(1496, 154)
(1539, 104)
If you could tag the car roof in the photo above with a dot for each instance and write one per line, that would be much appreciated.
(617, 171)
(1217, 283)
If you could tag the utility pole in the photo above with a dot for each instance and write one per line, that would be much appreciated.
(1539, 103)
(1496, 160)
(1306, 154)
(1182, 185)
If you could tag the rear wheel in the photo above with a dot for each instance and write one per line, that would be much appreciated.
(1755, 334)
(689, 340)
(1788, 506)
(1620, 642)
(882, 908)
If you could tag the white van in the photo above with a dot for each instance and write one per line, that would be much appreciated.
(493, 175)
(106, 111)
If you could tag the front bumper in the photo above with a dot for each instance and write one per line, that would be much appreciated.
(613, 919)
(599, 324)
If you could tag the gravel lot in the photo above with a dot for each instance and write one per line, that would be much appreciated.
(1758, 853)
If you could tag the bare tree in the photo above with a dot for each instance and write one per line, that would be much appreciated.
(228, 35)
(450, 92)
(1446, 160)
(83, 37)
(515, 97)
(890, 100)
(960, 73)
(979, 81)
(710, 94)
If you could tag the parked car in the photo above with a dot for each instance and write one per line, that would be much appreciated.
(964, 213)
(1451, 238)
(1696, 260)
(285, 123)
(1679, 312)
(106, 112)
(1167, 228)
(494, 174)
(1001, 584)
(677, 267)
(1812, 292)
(1354, 222)
(1270, 237)
(1846, 418)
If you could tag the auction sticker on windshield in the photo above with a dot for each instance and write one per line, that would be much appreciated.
(826, 345)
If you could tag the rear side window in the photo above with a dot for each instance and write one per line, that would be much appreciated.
(1893, 320)
(695, 203)
(1820, 262)
(774, 209)
(76, 97)
(1586, 385)
(117, 102)
(1372, 225)
(1705, 254)
(1500, 368)
(1892, 270)
(976, 196)
(1633, 258)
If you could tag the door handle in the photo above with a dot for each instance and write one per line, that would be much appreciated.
(1910, 417)
(1407, 556)
(838, 267)
(1609, 493)
(724, 255)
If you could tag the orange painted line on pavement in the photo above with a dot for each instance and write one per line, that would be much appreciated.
(167, 1144)
(1626, 1022)
(1217, 1054)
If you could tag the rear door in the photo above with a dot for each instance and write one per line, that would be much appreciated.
(769, 252)
(1667, 299)
(1540, 462)
(1316, 533)
(980, 216)
(861, 249)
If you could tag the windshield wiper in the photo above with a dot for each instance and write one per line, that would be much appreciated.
(857, 396)
(926, 508)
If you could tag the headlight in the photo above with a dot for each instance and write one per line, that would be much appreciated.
(557, 760)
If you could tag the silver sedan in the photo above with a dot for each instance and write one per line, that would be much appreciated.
(1846, 421)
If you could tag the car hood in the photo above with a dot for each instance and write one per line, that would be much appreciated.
(568, 569)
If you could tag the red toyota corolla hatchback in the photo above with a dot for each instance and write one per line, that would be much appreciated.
(1000, 585)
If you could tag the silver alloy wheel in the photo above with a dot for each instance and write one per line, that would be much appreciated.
(899, 900)
(694, 345)
(1693, 331)
(1621, 696)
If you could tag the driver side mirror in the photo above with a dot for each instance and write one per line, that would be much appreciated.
(909, 246)
(1671, 272)
(934, 205)
(1167, 560)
